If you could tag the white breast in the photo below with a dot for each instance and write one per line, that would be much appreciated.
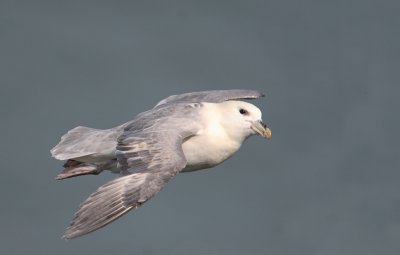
(211, 146)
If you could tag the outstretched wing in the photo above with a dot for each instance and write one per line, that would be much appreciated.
(151, 157)
(211, 96)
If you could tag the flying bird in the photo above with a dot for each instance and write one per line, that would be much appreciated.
(186, 132)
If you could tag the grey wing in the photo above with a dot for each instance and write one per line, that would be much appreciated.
(211, 96)
(155, 157)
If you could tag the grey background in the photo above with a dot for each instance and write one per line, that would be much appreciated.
(326, 183)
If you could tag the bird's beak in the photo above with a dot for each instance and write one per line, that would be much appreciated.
(261, 129)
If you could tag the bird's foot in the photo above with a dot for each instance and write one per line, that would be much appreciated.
(81, 169)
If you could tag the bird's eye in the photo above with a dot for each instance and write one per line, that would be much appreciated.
(243, 111)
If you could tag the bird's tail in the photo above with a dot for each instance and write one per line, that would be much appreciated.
(86, 151)
(78, 142)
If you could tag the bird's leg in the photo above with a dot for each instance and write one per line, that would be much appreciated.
(75, 168)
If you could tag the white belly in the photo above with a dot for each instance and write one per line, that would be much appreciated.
(207, 150)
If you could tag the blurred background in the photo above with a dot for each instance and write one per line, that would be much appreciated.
(326, 183)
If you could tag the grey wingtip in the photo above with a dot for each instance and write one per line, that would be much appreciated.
(65, 238)
(252, 93)
(53, 152)
(73, 231)
(67, 235)
(71, 234)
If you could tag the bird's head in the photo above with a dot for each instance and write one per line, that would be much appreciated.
(242, 119)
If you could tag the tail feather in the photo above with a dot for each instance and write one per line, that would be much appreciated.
(83, 141)
(87, 151)
(70, 145)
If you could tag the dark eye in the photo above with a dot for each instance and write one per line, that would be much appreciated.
(243, 112)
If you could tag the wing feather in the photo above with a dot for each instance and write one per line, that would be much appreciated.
(150, 158)
(210, 96)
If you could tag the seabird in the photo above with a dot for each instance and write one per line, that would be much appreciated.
(186, 132)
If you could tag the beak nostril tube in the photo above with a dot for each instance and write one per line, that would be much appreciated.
(262, 129)
(263, 124)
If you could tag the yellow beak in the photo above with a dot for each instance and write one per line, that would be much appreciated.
(262, 129)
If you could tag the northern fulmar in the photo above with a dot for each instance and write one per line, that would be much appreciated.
(186, 132)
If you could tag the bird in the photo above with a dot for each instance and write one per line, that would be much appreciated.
(181, 133)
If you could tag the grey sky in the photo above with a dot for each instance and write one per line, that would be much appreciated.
(326, 183)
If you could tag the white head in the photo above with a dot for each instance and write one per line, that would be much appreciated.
(242, 119)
